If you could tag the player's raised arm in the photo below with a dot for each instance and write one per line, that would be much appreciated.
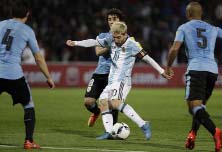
(83, 43)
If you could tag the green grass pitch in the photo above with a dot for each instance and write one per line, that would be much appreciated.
(62, 122)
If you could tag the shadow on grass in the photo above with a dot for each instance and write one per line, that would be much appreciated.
(83, 133)
(165, 147)
(93, 135)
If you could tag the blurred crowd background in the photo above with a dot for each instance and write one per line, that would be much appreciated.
(152, 22)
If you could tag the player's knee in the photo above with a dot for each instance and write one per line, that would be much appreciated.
(89, 102)
(116, 103)
(194, 103)
(103, 103)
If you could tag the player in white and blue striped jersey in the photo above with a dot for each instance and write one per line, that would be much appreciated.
(99, 78)
(124, 51)
(199, 38)
(14, 36)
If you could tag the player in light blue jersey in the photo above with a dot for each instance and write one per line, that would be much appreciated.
(14, 36)
(124, 51)
(99, 78)
(201, 75)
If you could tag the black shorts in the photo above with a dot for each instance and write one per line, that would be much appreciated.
(18, 89)
(199, 85)
(96, 85)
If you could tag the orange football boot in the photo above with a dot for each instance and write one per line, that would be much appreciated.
(190, 142)
(30, 145)
(92, 119)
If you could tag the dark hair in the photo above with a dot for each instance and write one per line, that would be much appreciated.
(20, 8)
(117, 12)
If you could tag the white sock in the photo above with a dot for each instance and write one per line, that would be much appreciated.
(131, 113)
(107, 121)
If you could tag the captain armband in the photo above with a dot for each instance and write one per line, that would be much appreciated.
(141, 54)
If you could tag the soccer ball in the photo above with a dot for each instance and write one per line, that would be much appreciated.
(120, 131)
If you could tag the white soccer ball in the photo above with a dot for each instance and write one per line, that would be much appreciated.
(120, 131)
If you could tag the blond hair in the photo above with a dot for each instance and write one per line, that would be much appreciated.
(119, 27)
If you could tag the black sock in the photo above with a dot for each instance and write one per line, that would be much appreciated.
(93, 108)
(115, 116)
(204, 118)
(29, 120)
(195, 124)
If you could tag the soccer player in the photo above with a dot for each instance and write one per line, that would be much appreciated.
(124, 51)
(201, 75)
(14, 36)
(99, 78)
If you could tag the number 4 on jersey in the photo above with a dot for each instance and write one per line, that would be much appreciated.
(7, 39)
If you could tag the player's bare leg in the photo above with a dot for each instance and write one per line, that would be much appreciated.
(91, 105)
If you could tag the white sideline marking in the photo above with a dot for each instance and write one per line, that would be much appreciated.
(73, 148)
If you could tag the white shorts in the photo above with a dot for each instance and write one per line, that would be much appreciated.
(117, 90)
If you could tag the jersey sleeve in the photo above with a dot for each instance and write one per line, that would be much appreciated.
(137, 49)
(219, 32)
(104, 41)
(32, 42)
(179, 34)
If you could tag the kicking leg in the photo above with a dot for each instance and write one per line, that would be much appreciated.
(132, 114)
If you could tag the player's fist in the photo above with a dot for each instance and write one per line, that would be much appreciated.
(50, 83)
(70, 43)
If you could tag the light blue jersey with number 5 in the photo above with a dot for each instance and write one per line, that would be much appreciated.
(14, 36)
(199, 38)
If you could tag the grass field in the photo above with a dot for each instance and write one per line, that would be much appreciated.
(62, 122)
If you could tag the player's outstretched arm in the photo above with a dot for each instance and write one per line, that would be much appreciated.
(83, 43)
(156, 66)
(40, 61)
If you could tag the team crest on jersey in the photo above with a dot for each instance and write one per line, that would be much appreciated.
(123, 49)
(113, 47)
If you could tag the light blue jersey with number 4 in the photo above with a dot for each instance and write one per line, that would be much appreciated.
(199, 38)
(14, 36)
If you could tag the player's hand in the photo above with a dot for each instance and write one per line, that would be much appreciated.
(50, 83)
(168, 73)
(166, 76)
(70, 43)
